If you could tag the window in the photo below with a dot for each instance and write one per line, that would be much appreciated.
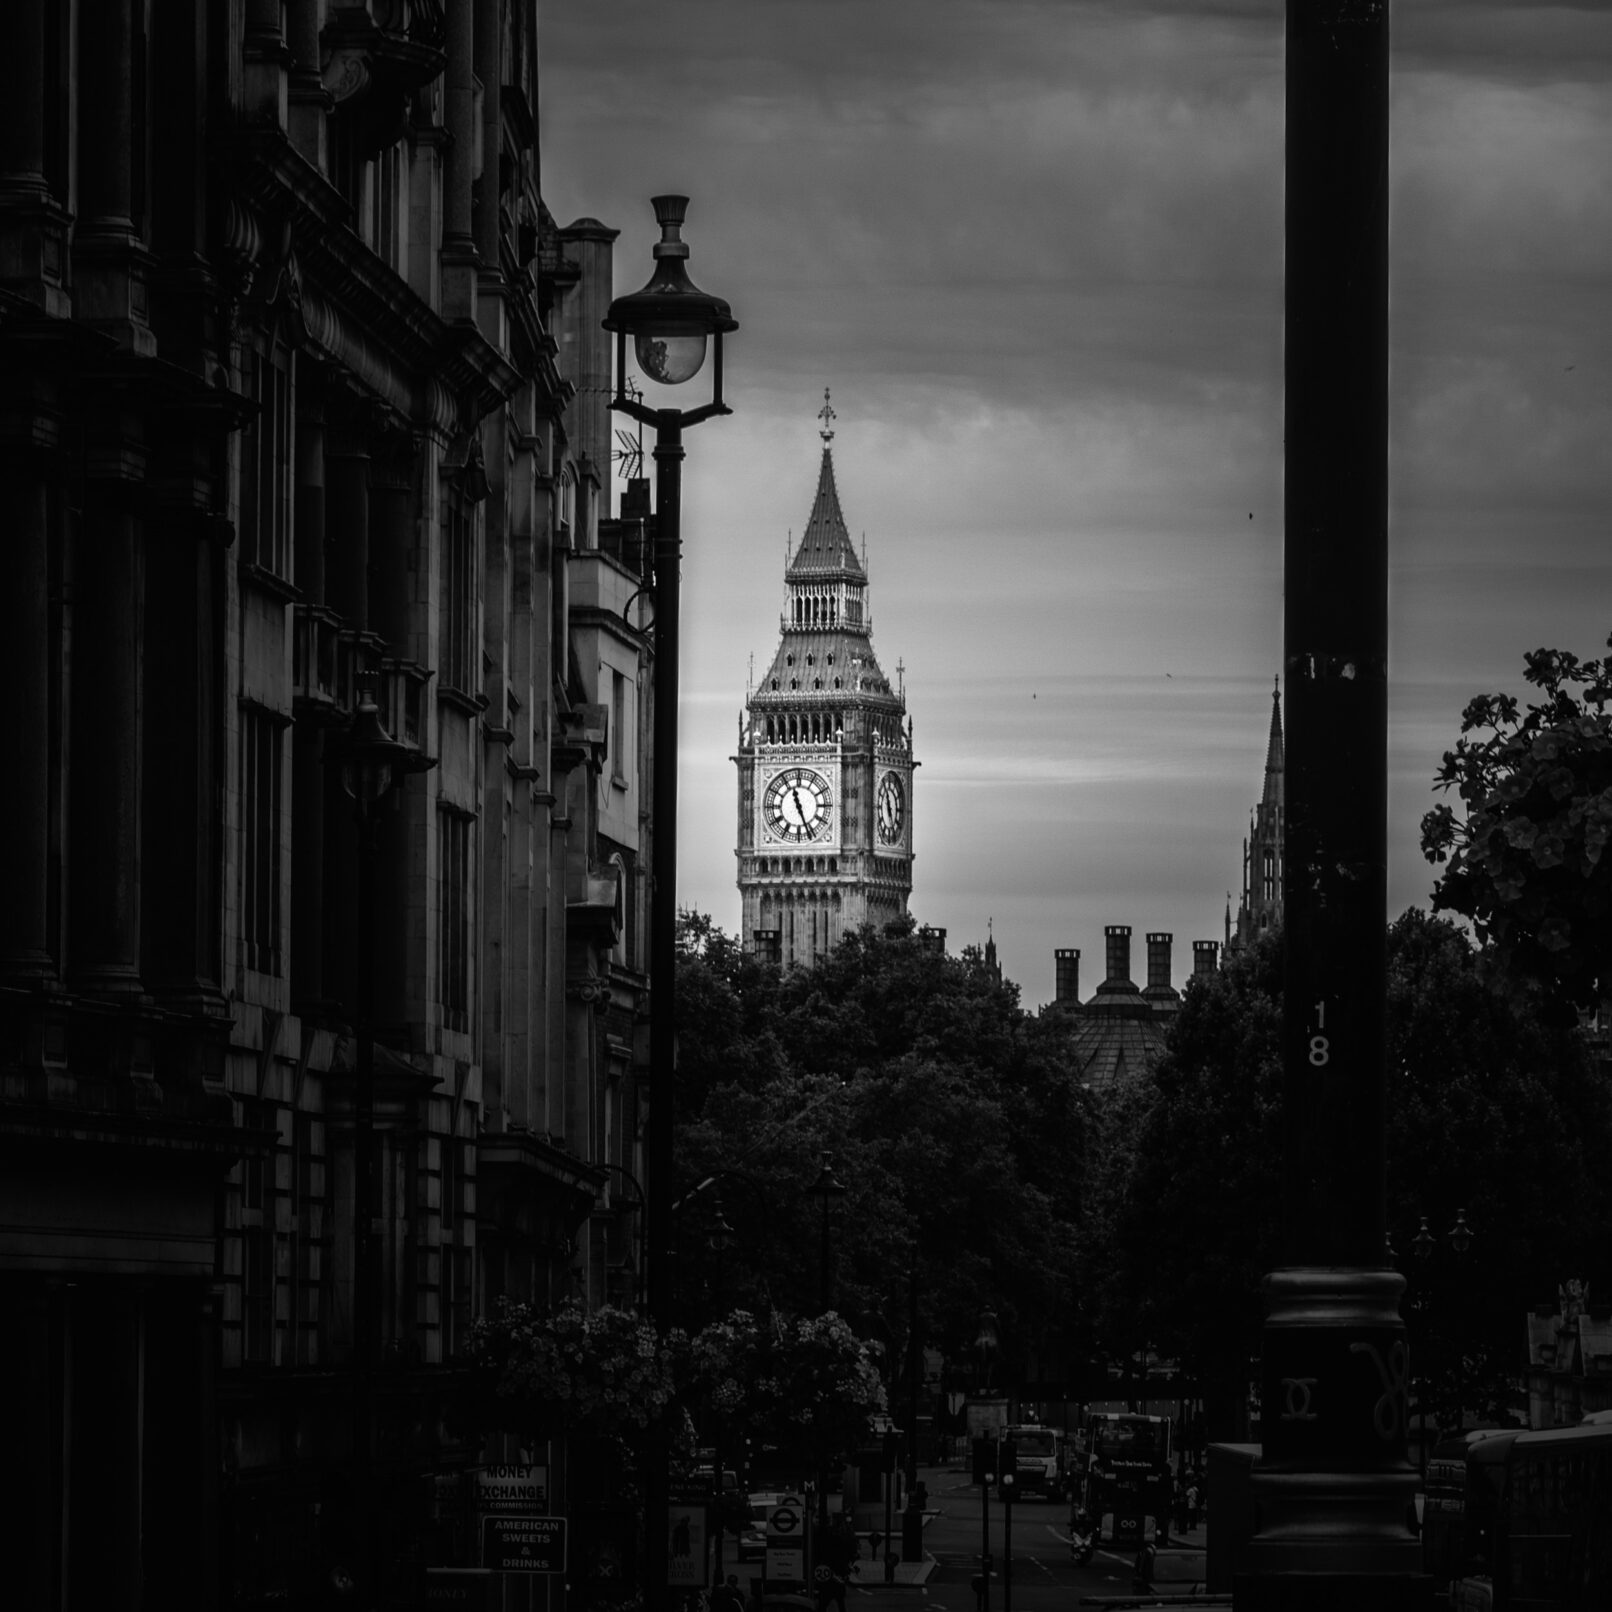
(266, 462)
(257, 1231)
(618, 728)
(458, 627)
(306, 1226)
(458, 1276)
(453, 926)
(261, 736)
(386, 206)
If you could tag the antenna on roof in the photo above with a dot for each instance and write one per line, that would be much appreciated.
(630, 450)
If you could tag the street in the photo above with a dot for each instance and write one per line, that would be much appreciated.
(1042, 1578)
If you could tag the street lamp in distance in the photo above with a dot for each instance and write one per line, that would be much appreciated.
(826, 1188)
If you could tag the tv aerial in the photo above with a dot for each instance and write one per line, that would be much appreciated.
(629, 449)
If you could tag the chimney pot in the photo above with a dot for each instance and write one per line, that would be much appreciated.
(1205, 957)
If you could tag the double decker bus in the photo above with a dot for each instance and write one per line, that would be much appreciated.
(1124, 1481)
(1535, 1521)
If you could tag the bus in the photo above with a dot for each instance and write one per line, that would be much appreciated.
(1124, 1482)
(1536, 1522)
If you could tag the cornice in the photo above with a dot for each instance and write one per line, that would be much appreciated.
(359, 312)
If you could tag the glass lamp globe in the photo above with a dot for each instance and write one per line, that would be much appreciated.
(671, 360)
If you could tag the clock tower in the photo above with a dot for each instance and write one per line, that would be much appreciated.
(825, 757)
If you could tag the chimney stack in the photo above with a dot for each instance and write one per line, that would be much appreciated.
(1117, 942)
(1205, 957)
(1158, 960)
(1067, 986)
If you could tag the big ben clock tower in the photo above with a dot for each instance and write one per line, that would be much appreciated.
(825, 758)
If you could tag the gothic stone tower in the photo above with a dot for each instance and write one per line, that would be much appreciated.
(1261, 906)
(825, 758)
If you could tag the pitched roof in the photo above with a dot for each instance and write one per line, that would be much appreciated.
(1275, 755)
(825, 546)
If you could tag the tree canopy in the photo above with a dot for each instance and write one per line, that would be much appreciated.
(951, 1123)
(1527, 861)
(1492, 1111)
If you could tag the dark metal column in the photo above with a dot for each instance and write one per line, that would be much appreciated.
(1333, 1488)
(659, 1184)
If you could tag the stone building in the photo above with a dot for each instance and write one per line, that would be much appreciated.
(825, 820)
(303, 409)
(1121, 1029)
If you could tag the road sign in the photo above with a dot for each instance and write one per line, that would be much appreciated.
(522, 1489)
(786, 1522)
(687, 1554)
(515, 1544)
(786, 1564)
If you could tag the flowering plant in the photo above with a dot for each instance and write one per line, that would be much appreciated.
(570, 1370)
(791, 1379)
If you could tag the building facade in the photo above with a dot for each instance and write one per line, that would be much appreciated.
(1121, 1030)
(826, 768)
(304, 410)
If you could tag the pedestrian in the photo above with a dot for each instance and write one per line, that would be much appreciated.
(728, 1597)
(1192, 1501)
(1180, 1507)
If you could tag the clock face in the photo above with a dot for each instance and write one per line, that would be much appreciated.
(797, 805)
(892, 807)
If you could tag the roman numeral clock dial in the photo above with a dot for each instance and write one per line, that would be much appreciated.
(892, 809)
(797, 805)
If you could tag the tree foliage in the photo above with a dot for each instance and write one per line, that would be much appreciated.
(950, 1118)
(1492, 1110)
(1527, 860)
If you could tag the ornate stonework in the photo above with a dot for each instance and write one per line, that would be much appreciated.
(825, 757)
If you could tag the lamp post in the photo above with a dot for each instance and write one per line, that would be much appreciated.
(1333, 1484)
(671, 323)
(987, 1342)
(826, 1188)
(371, 763)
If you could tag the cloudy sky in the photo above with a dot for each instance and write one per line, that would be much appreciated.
(1035, 248)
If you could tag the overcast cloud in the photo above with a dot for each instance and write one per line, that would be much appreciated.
(1035, 249)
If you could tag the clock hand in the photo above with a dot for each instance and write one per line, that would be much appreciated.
(794, 795)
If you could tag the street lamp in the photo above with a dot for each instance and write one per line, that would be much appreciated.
(371, 763)
(826, 1188)
(1424, 1245)
(671, 323)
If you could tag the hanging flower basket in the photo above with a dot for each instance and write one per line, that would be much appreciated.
(568, 1370)
(808, 1380)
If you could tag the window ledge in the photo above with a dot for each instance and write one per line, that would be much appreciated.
(270, 582)
(470, 704)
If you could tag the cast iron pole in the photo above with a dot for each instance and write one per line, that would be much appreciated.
(658, 1183)
(1333, 1486)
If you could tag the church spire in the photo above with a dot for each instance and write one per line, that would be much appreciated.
(1275, 756)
